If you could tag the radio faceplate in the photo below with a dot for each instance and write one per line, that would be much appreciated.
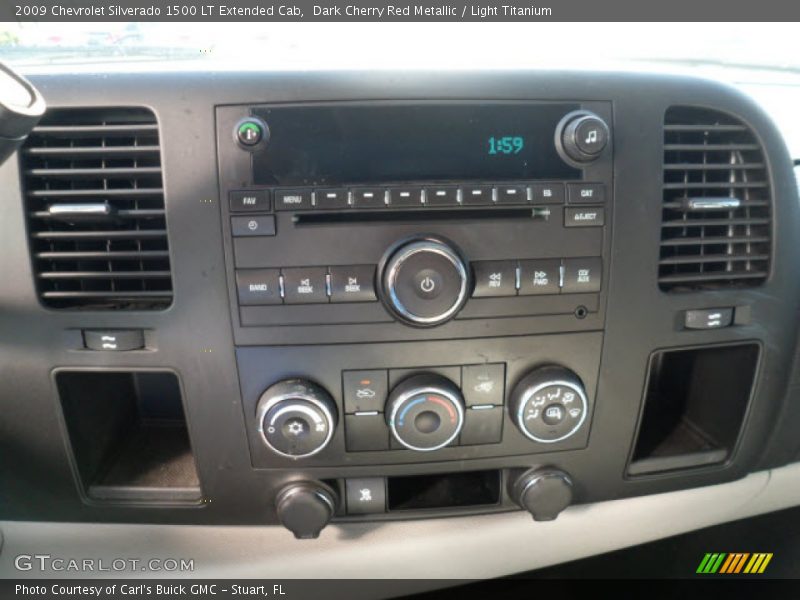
(309, 243)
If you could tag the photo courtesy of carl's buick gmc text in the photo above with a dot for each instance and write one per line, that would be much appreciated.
(381, 300)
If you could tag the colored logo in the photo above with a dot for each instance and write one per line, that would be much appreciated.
(734, 563)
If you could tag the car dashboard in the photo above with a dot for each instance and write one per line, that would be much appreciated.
(354, 304)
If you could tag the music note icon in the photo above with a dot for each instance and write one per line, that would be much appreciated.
(591, 137)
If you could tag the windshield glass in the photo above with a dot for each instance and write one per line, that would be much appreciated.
(395, 45)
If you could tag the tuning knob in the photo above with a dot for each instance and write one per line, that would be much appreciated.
(549, 404)
(543, 492)
(425, 412)
(296, 418)
(425, 281)
(582, 136)
(305, 508)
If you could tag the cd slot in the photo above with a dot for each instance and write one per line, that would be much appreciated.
(393, 216)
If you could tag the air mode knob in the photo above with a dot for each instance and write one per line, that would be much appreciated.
(296, 418)
(582, 136)
(305, 508)
(425, 412)
(425, 281)
(549, 404)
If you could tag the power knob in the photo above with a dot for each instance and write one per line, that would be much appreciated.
(425, 281)
(296, 418)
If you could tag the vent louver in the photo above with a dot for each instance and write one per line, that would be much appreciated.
(95, 202)
(716, 224)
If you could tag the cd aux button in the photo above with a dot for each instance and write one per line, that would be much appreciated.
(582, 275)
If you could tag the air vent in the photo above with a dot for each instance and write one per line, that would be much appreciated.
(716, 213)
(95, 205)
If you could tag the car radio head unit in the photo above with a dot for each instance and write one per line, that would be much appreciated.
(375, 143)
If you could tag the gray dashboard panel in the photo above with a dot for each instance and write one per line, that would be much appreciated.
(195, 336)
(458, 548)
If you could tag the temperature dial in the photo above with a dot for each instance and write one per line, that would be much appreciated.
(425, 412)
(296, 418)
(549, 404)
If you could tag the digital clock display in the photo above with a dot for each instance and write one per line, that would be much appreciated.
(508, 144)
(387, 142)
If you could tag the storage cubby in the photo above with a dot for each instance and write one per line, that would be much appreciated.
(449, 490)
(128, 435)
(695, 405)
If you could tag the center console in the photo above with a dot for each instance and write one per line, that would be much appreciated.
(365, 238)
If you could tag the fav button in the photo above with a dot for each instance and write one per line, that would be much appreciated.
(249, 200)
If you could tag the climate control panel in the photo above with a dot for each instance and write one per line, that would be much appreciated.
(426, 410)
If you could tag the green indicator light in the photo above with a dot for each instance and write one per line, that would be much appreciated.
(250, 133)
